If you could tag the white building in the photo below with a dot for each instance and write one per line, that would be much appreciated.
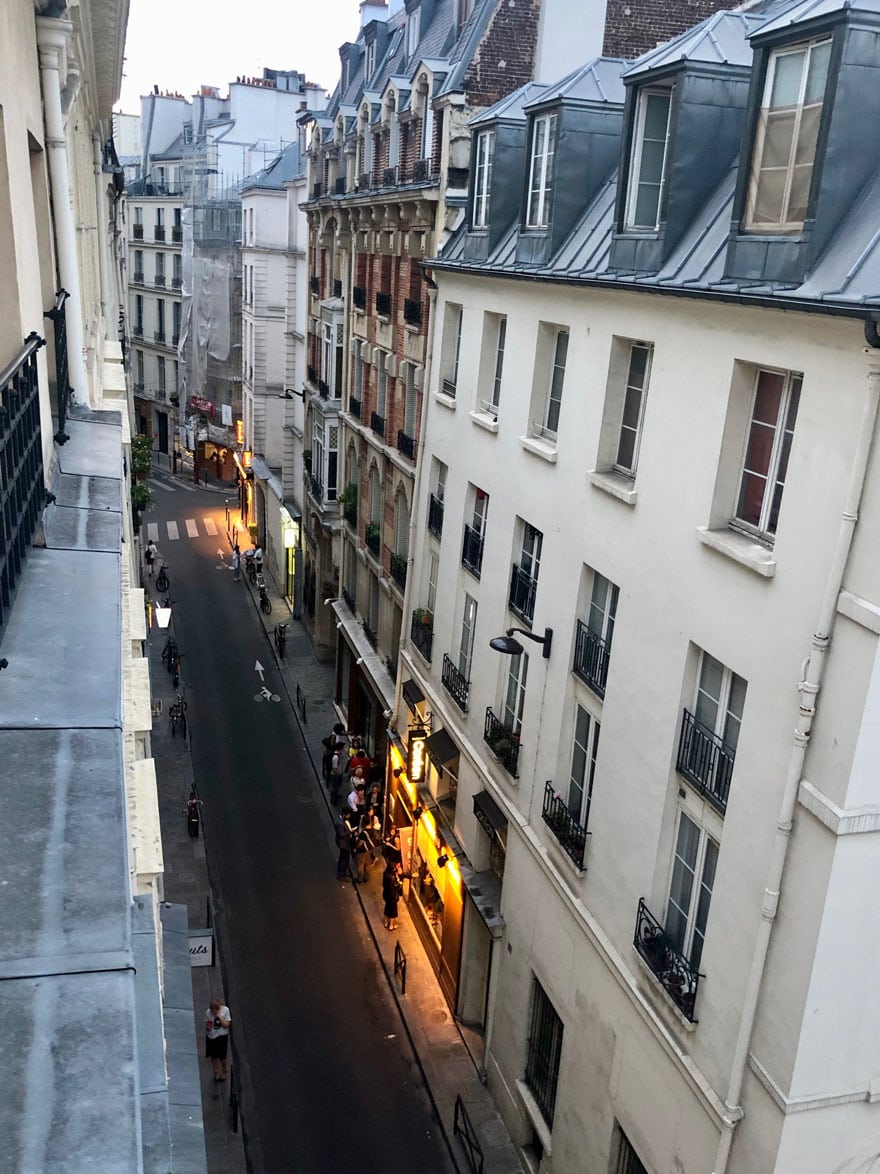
(649, 447)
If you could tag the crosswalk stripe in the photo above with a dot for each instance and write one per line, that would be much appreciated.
(156, 484)
(172, 530)
(152, 531)
(210, 526)
(192, 529)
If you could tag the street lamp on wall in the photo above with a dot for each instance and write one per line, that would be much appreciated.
(510, 646)
(289, 393)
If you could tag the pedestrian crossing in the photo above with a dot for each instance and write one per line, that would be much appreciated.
(170, 531)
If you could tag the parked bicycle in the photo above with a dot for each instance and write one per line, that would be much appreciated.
(162, 580)
(171, 658)
(177, 714)
(280, 639)
(250, 566)
(265, 601)
(193, 813)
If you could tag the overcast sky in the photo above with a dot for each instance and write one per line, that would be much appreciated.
(180, 45)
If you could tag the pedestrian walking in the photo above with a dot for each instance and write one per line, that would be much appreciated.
(236, 562)
(356, 801)
(343, 843)
(362, 847)
(150, 552)
(334, 740)
(335, 776)
(391, 890)
(258, 559)
(217, 1024)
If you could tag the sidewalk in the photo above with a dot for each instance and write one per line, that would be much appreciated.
(440, 1047)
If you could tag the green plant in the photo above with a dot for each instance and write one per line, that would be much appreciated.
(423, 615)
(141, 499)
(348, 497)
(307, 459)
(141, 456)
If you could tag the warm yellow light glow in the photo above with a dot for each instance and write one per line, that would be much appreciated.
(396, 758)
(453, 873)
(430, 827)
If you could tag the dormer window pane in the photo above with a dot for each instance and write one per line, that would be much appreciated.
(648, 169)
(485, 150)
(412, 32)
(541, 171)
(785, 144)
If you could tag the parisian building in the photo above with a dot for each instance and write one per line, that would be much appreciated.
(635, 726)
(93, 958)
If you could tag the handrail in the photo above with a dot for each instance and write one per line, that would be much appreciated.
(463, 1128)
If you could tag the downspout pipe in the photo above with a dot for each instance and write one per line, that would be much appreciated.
(53, 38)
(809, 690)
(103, 236)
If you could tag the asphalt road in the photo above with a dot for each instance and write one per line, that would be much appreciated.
(329, 1081)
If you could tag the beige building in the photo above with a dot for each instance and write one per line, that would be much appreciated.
(650, 479)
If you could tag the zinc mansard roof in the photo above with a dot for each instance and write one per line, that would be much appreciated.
(597, 81)
(721, 39)
(284, 167)
(810, 10)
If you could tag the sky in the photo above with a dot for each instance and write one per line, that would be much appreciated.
(180, 45)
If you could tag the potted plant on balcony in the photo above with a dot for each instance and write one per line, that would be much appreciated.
(422, 615)
(307, 459)
(372, 532)
(348, 498)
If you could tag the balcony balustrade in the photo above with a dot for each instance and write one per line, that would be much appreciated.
(383, 304)
(159, 336)
(421, 170)
(58, 317)
(138, 330)
(175, 339)
(363, 182)
(705, 760)
(138, 276)
(472, 551)
(412, 311)
(591, 657)
(317, 191)
(354, 407)
(398, 570)
(502, 741)
(315, 284)
(670, 967)
(339, 186)
(373, 537)
(139, 387)
(177, 235)
(422, 631)
(406, 445)
(359, 297)
(176, 281)
(369, 633)
(389, 177)
(377, 423)
(317, 488)
(158, 233)
(435, 516)
(455, 683)
(349, 599)
(137, 232)
(570, 834)
(523, 589)
(159, 280)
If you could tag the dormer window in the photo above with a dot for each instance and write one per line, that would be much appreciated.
(413, 22)
(647, 173)
(541, 171)
(369, 61)
(484, 151)
(785, 142)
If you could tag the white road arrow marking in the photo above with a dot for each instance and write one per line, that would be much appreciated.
(259, 668)
(220, 552)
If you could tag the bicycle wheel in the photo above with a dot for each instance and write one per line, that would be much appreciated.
(162, 583)
(266, 605)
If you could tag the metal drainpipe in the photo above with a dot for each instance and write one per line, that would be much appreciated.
(808, 689)
(429, 351)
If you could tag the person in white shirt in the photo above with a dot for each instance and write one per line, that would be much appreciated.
(217, 1024)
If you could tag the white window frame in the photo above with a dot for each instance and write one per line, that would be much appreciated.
(358, 372)
(602, 608)
(382, 385)
(413, 23)
(637, 160)
(777, 470)
(332, 476)
(514, 699)
(786, 223)
(410, 400)
(531, 548)
(441, 469)
(582, 771)
(369, 61)
(555, 385)
(484, 153)
(466, 640)
(691, 906)
(433, 573)
(401, 524)
(632, 391)
(728, 717)
(453, 316)
(139, 366)
(161, 381)
(543, 149)
(160, 268)
(479, 512)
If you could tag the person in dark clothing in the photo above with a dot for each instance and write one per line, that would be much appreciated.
(343, 843)
(391, 847)
(391, 890)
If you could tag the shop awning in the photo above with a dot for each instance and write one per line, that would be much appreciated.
(412, 694)
(441, 748)
(488, 812)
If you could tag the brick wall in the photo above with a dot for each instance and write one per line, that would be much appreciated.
(505, 57)
(632, 27)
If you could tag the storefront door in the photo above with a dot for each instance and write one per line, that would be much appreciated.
(450, 944)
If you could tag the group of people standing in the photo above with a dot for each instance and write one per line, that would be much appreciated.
(359, 824)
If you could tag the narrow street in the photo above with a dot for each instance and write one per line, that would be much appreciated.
(327, 1076)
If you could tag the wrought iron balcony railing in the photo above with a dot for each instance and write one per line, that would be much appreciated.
(317, 488)
(570, 834)
(159, 336)
(350, 512)
(389, 177)
(373, 537)
(472, 551)
(705, 760)
(377, 423)
(369, 633)
(354, 407)
(523, 589)
(398, 570)
(58, 317)
(502, 741)
(591, 657)
(177, 235)
(158, 233)
(138, 277)
(383, 304)
(421, 170)
(337, 288)
(406, 445)
(349, 599)
(315, 283)
(175, 339)
(435, 516)
(177, 281)
(412, 311)
(448, 386)
(670, 967)
(317, 191)
(137, 232)
(455, 683)
(359, 297)
(159, 280)
(363, 182)
(138, 330)
(339, 186)
(422, 631)
(22, 492)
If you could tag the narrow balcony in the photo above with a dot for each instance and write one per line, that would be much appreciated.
(355, 407)
(455, 684)
(373, 538)
(523, 589)
(571, 836)
(337, 288)
(369, 633)
(591, 656)
(705, 761)
(671, 969)
(317, 489)
(315, 284)
(383, 304)
(359, 297)
(138, 277)
(158, 233)
(137, 232)
(421, 170)
(175, 339)
(138, 330)
(502, 741)
(412, 311)
(159, 336)
(406, 445)
(159, 280)
(350, 600)
(363, 182)
(435, 516)
(389, 177)
(422, 631)
(339, 186)
(472, 551)
(398, 570)
(377, 423)
(177, 235)
(176, 281)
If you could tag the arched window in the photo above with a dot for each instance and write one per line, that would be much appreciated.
(401, 524)
(375, 497)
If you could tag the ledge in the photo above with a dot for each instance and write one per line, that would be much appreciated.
(860, 611)
(446, 400)
(745, 551)
(535, 1116)
(484, 420)
(660, 999)
(539, 448)
(842, 821)
(614, 484)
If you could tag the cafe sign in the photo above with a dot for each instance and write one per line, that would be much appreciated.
(416, 756)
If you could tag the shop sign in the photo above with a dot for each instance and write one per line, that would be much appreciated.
(416, 756)
(202, 405)
(201, 947)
